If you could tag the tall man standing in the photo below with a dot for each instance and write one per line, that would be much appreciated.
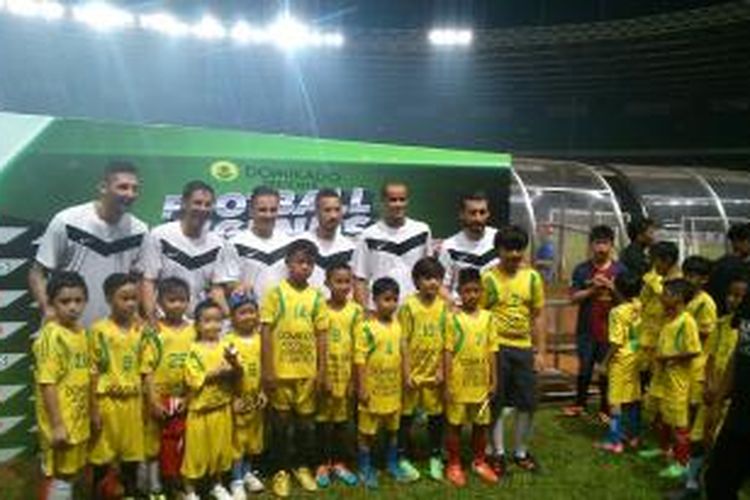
(184, 248)
(94, 239)
(391, 246)
(473, 245)
(333, 246)
(253, 260)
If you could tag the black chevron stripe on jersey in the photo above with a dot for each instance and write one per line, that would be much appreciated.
(100, 246)
(261, 256)
(397, 248)
(472, 259)
(335, 258)
(189, 262)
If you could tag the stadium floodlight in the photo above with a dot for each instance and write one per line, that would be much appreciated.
(102, 16)
(163, 22)
(333, 39)
(209, 28)
(43, 9)
(242, 32)
(287, 33)
(450, 37)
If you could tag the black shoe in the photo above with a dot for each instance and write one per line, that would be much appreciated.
(498, 465)
(527, 463)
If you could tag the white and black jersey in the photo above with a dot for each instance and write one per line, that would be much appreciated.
(460, 251)
(77, 239)
(338, 249)
(248, 258)
(169, 253)
(383, 250)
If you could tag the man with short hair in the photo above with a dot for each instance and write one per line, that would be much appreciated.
(391, 246)
(738, 257)
(94, 239)
(473, 245)
(185, 248)
(253, 260)
(635, 256)
(333, 246)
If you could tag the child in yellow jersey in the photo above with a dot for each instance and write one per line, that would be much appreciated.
(423, 318)
(380, 364)
(249, 400)
(117, 411)
(162, 361)
(61, 373)
(514, 294)
(211, 370)
(621, 365)
(470, 377)
(697, 270)
(334, 405)
(678, 344)
(294, 319)
(664, 256)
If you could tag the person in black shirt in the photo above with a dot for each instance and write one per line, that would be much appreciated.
(739, 256)
(729, 460)
(635, 256)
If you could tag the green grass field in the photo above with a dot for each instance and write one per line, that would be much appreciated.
(571, 468)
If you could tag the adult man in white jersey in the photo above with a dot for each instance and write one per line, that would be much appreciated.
(94, 239)
(333, 246)
(184, 248)
(391, 246)
(473, 245)
(254, 258)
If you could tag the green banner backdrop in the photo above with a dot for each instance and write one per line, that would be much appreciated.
(47, 164)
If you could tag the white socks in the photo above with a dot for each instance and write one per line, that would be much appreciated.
(60, 490)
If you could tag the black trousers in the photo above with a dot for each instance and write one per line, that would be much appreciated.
(728, 466)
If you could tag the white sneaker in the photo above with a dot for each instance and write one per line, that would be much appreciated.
(219, 492)
(252, 483)
(238, 491)
(191, 496)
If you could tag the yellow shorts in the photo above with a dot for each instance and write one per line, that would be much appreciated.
(332, 409)
(297, 395)
(673, 412)
(248, 434)
(624, 386)
(208, 442)
(369, 423)
(428, 398)
(468, 413)
(66, 461)
(121, 438)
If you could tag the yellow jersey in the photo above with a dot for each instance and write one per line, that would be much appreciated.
(703, 310)
(344, 325)
(672, 378)
(721, 343)
(115, 355)
(163, 355)
(513, 300)
(472, 338)
(202, 359)
(377, 346)
(296, 317)
(248, 349)
(423, 326)
(653, 312)
(624, 332)
(61, 359)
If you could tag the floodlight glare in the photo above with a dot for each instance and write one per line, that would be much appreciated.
(102, 16)
(209, 29)
(242, 32)
(48, 10)
(163, 22)
(450, 37)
